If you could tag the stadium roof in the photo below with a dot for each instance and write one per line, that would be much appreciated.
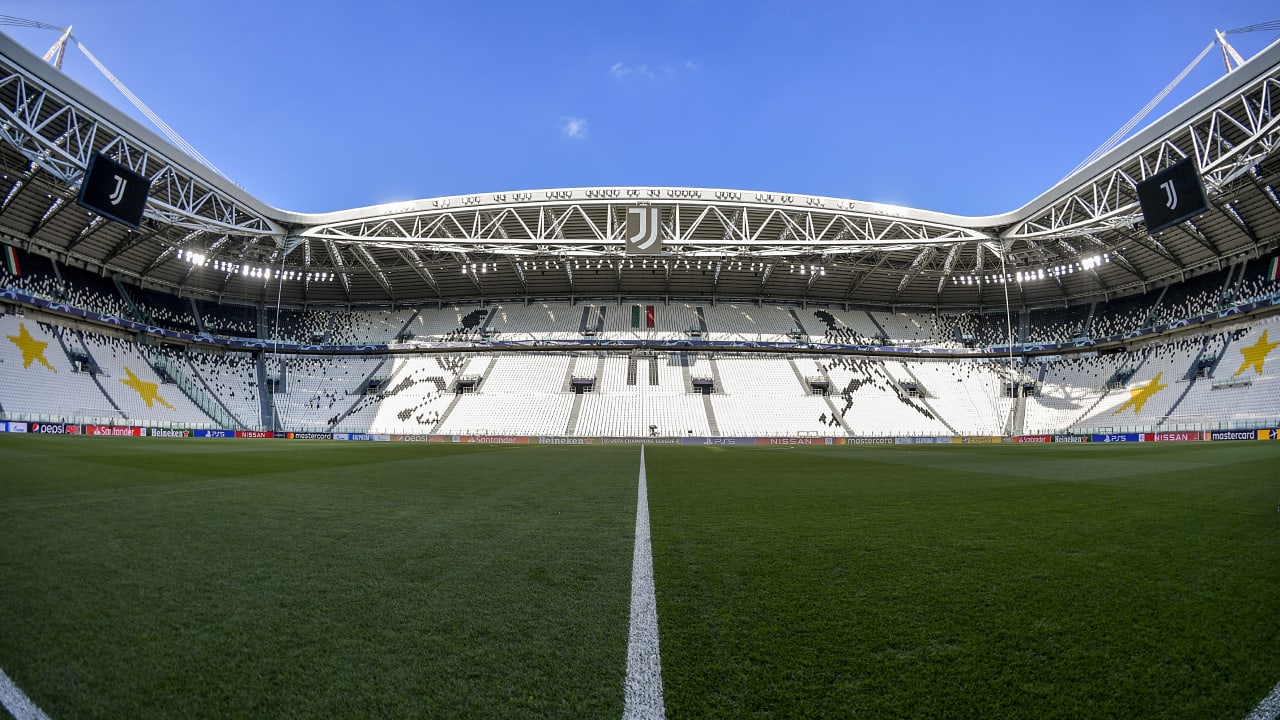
(204, 236)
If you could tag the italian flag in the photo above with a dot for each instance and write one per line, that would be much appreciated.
(1273, 272)
(636, 314)
(11, 261)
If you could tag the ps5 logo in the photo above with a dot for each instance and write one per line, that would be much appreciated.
(1170, 194)
(643, 231)
(118, 193)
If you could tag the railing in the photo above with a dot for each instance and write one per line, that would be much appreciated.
(221, 417)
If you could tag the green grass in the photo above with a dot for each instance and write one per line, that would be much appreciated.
(208, 578)
(968, 582)
(204, 578)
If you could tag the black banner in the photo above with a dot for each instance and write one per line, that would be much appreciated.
(114, 191)
(1171, 196)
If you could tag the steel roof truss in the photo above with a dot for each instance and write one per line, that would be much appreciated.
(371, 265)
(59, 136)
(340, 267)
(946, 268)
(1226, 140)
(914, 270)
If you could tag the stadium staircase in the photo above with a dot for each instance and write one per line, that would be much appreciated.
(359, 402)
(135, 312)
(208, 403)
(702, 319)
(1230, 283)
(1193, 375)
(1086, 329)
(195, 372)
(1212, 371)
(567, 385)
(879, 328)
(1107, 389)
(717, 387)
(447, 411)
(265, 396)
(715, 374)
(795, 369)
(486, 325)
(831, 403)
(1018, 415)
(360, 396)
(712, 428)
(685, 372)
(195, 313)
(84, 348)
(804, 332)
(457, 396)
(1153, 315)
(571, 426)
(1018, 425)
(925, 402)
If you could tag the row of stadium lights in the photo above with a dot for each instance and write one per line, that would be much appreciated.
(645, 264)
(1022, 276)
(1088, 263)
(200, 260)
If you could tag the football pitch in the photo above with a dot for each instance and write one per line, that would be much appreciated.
(158, 578)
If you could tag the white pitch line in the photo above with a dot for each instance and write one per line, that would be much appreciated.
(644, 663)
(17, 702)
(1269, 708)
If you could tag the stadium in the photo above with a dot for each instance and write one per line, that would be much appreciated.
(276, 357)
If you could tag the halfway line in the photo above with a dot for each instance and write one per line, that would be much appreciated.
(17, 702)
(644, 664)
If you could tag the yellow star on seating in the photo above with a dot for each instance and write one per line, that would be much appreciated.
(32, 349)
(1255, 354)
(146, 390)
(1140, 395)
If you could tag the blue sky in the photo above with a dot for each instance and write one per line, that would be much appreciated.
(964, 108)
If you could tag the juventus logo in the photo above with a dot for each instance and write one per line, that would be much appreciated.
(1170, 194)
(643, 230)
(118, 193)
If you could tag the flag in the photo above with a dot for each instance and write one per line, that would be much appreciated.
(648, 316)
(635, 316)
(11, 260)
(1273, 273)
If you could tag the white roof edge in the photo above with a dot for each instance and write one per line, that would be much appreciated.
(1243, 75)
(639, 194)
(1257, 66)
(79, 94)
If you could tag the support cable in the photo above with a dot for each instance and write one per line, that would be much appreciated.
(1142, 114)
(142, 107)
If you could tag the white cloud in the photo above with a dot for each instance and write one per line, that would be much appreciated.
(574, 128)
(621, 70)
